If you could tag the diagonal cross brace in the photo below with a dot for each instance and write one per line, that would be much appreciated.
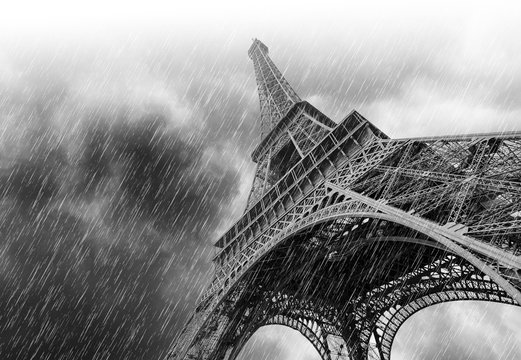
(453, 241)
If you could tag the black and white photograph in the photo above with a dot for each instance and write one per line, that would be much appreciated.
(260, 180)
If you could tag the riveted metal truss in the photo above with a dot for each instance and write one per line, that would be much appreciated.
(275, 94)
(299, 131)
(348, 233)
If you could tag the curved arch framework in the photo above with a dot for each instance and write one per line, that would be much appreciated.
(314, 321)
(436, 265)
(390, 322)
(378, 321)
(307, 328)
(353, 231)
(386, 326)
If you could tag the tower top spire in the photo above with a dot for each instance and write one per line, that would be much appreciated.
(257, 44)
(290, 127)
(275, 94)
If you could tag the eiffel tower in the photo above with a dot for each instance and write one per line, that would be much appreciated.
(348, 232)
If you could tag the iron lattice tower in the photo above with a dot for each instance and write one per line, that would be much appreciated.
(347, 232)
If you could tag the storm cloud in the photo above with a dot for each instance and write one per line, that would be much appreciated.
(125, 141)
(108, 208)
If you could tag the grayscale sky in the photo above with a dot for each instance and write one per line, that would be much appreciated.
(125, 133)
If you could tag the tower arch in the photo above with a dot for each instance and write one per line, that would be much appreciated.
(352, 230)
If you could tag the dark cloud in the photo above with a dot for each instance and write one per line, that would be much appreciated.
(160, 174)
(122, 154)
(108, 213)
(31, 182)
(65, 297)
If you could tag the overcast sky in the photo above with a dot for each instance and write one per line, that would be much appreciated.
(125, 135)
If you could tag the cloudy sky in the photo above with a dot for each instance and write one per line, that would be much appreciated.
(125, 129)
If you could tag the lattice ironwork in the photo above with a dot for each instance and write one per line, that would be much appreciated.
(347, 232)
(290, 127)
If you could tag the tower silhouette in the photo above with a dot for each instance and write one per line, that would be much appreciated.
(347, 232)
